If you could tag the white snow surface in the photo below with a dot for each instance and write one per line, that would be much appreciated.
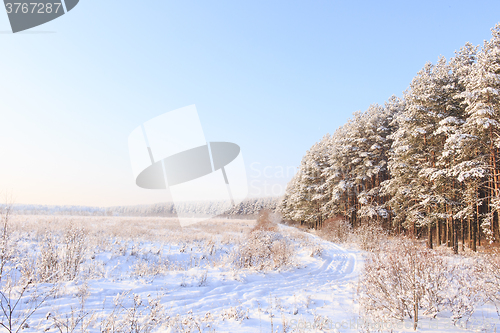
(317, 294)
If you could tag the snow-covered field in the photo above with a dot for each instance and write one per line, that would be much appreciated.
(117, 274)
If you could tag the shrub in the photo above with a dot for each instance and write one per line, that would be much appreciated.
(47, 264)
(370, 236)
(60, 259)
(336, 230)
(405, 279)
(264, 250)
(265, 221)
(73, 251)
(489, 269)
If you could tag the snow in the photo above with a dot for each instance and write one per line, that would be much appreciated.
(316, 286)
(188, 284)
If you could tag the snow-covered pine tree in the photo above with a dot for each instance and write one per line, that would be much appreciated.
(458, 151)
(338, 182)
(418, 187)
(305, 195)
(483, 110)
(358, 166)
(371, 169)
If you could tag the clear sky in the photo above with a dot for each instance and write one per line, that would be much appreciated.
(272, 76)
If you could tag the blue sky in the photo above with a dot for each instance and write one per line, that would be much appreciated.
(271, 76)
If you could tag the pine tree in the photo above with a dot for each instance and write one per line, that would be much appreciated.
(483, 110)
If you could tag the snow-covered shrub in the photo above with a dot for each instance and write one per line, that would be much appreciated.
(264, 250)
(464, 290)
(93, 269)
(266, 221)
(73, 251)
(20, 295)
(203, 279)
(406, 279)
(264, 247)
(336, 230)
(321, 322)
(191, 323)
(77, 318)
(61, 257)
(150, 267)
(133, 314)
(387, 285)
(316, 250)
(370, 236)
(282, 253)
(489, 270)
(236, 312)
(209, 247)
(48, 261)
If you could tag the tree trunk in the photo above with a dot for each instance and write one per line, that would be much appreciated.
(448, 232)
(429, 236)
(455, 235)
(496, 193)
(478, 227)
(445, 233)
(470, 231)
(438, 231)
(474, 232)
(463, 234)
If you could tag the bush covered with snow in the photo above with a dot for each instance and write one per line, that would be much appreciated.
(370, 236)
(336, 230)
(264, 250)
(404, 279)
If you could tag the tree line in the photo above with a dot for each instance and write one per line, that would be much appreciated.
(426, 163)
(248, 208)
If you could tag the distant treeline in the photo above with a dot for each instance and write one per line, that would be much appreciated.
(247, 208)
